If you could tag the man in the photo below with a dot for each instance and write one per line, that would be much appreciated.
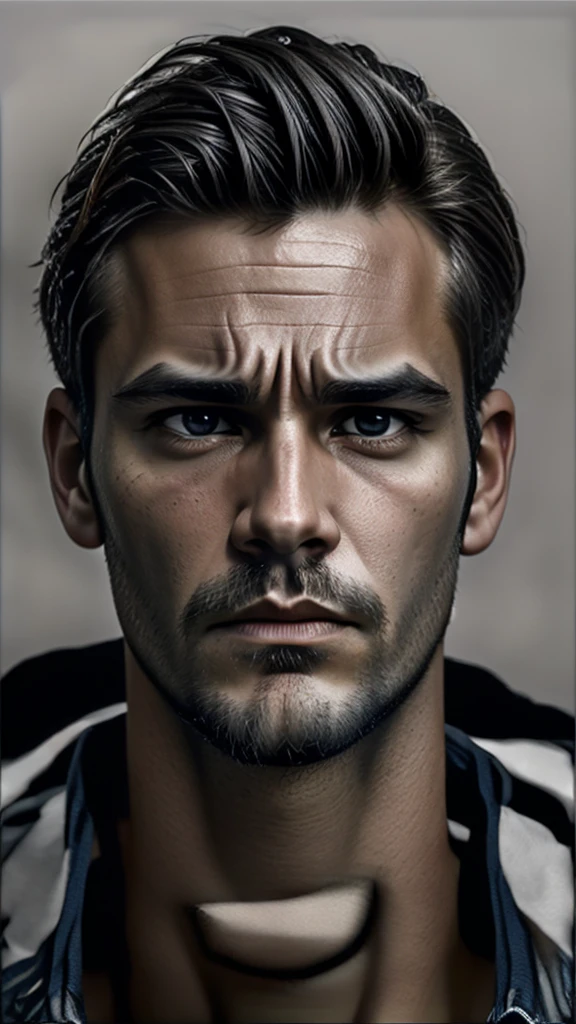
(278, 294)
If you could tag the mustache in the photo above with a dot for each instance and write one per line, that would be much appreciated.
(243, 585)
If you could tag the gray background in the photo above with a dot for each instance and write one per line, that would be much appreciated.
(508, 70)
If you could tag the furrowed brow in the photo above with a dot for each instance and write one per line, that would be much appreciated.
(405, 384)
(162, 382)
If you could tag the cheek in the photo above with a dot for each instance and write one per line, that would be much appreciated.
(398, 520)
(170, 531)
(402, 524)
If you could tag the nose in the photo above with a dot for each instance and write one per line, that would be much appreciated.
(286, 511)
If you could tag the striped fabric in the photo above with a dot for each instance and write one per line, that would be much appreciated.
(510, 820)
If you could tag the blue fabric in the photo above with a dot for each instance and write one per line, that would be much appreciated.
(58, 964)
(65, 988)
(515, 966)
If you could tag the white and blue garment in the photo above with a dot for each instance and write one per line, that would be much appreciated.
(510, 820)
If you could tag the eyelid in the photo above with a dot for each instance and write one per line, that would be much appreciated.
(225, 412)
(411, 423)
(230, 414)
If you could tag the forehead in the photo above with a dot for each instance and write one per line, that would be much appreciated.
(329, 293)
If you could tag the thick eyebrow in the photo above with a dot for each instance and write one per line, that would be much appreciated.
(404, 384)
(160, 381)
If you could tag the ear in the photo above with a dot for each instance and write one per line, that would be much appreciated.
(494, 467)
(66, 466)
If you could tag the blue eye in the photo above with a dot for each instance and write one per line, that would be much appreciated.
(197, 422)
(375, 423)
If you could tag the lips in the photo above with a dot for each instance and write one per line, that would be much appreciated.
(270, 612)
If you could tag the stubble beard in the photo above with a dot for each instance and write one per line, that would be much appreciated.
(286, 722)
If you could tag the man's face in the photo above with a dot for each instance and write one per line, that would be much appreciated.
(355, 504)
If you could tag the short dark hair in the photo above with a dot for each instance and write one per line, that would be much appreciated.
(268, 125)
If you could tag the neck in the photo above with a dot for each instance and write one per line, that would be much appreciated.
(204, 829)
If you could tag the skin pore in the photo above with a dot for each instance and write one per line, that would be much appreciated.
(265, 769)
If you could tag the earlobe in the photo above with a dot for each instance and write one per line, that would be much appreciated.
(67, 470)
(494, 467)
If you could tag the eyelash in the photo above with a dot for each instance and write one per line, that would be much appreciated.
(410, 421)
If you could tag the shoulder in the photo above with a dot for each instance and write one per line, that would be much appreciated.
(44, 694)
(531, 743)
(482, 705)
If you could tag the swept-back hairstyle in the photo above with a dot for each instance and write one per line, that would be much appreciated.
(270, 125)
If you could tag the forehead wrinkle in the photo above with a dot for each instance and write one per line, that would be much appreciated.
(296, 317)
(412, 278)
(179, 249)
(232, 339)
(148, 243)
(200, 272)
(305, 340)
(313, 284)
(335, 231)
(279, 293)
(396, 303)
(309, 362)
(249, 268)
(298, 234)
(396, 269)
(406, 304)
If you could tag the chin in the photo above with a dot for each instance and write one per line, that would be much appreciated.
(293, 722)
(284, 755)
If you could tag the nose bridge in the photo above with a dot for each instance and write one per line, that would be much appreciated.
(284, 504)
(288, 451)
(288, 475)
(287, 504)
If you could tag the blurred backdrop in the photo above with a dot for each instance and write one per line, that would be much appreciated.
(508, 70)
